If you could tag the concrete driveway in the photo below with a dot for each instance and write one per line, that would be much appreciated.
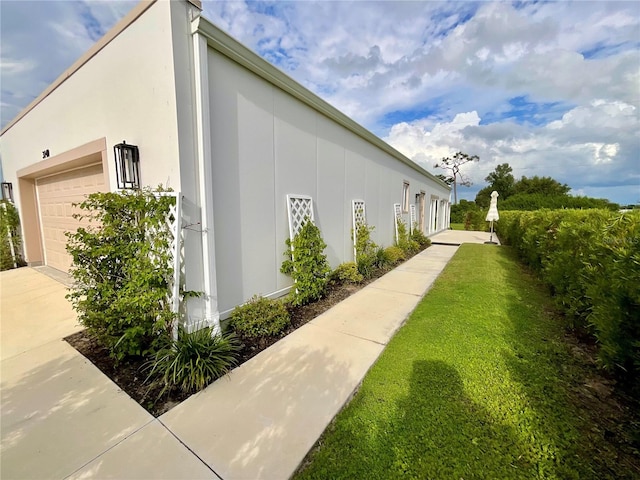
(61, 417)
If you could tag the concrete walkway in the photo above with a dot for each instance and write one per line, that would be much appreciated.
(62, 418)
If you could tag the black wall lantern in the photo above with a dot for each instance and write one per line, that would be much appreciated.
(127, 165)
(7, 191)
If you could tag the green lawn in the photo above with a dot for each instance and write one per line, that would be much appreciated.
(457, 226)
(473, 386)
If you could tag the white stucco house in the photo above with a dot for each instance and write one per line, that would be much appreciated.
(229, 131)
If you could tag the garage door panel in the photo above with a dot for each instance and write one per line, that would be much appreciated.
(56, 196)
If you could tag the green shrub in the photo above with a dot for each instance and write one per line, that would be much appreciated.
(347, 273)
(366, 251)
(394, 255)
(259, 317)
(307, 264)
(409, 246)
(420, 238)
(614, 292)
(566, 248)
(381, 258)
(10, 222)
(591, 261)
(475, 220)
(122, 271)
(537, 201)
(194, 360)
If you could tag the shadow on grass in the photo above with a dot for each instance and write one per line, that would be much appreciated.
(435, 431)
(444, 434)
(575, 429)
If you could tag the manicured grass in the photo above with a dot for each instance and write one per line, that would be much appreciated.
(457, 226)
(475, 385)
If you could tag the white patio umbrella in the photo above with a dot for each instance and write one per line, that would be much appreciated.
(493, 213)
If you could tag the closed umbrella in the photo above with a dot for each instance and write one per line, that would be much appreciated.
(493, 213)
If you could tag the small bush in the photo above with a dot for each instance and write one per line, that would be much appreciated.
(366, 251)
(420, 238)
(347, 273)
(394, 255)
(259, 317)
(409, 246)
(307, 264)
(194, 360)
(381, 258)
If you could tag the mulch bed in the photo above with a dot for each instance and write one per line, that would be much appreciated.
(130, 375)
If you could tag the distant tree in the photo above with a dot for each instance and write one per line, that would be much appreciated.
(501, 180)
(542, 185)
(453, 164)
(445, 179)
(536, 201)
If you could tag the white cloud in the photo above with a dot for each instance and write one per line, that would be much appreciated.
(590, 146)
(41, 39)
(549, 87)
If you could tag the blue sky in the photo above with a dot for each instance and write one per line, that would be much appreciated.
(552, 88)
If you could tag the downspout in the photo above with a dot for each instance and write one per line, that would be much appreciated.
(205, 175)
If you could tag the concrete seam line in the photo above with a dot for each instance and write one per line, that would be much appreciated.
(110, 448)
(190, 449)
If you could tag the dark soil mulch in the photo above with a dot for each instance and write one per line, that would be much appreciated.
(130, 375)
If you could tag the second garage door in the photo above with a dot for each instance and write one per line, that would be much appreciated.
(56, 196)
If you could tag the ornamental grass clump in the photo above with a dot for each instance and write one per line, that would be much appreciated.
(194, 360)
(259, 317)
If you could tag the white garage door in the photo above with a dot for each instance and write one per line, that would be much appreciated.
(56, 196)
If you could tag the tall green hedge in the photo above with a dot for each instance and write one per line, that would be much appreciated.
(591, 261)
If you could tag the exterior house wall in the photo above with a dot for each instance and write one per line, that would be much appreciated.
(226, 129)
(121, 93)
(267, 144)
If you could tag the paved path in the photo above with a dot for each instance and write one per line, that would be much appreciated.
(62, 418)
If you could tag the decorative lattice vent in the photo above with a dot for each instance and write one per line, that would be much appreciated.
(397, 217)
(413, 217)
(359, 216)
(299, 208)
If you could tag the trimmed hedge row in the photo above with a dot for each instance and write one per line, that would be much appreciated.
(591, 261)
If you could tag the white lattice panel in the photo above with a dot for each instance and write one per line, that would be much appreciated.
(413, 217)
(359, 216)
(397, 216)
(173, 224)
(299, 208)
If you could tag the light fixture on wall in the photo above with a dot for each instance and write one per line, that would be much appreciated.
(127, 165)
(7, 191)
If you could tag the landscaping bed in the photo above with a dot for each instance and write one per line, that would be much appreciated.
(130, 374)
